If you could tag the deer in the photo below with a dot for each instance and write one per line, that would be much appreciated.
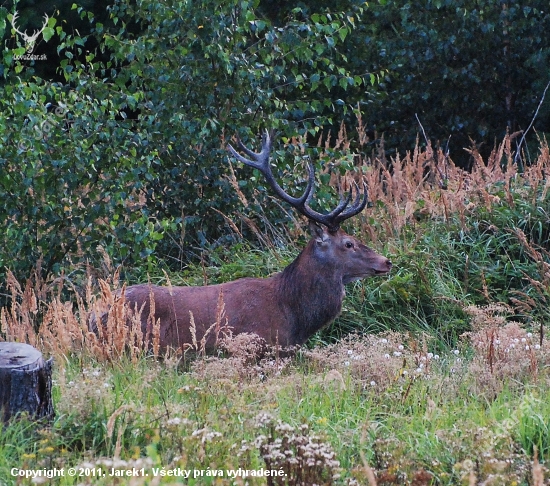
(285, 309)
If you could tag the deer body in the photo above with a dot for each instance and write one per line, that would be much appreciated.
(284, 309)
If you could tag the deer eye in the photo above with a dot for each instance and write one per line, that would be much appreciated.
(349, 244)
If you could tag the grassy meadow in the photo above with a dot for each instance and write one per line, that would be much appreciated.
(435, 375)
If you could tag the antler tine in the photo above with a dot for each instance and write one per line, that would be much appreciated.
(344, 201)
(358, 205)
(260, 161)
(342, 212)
(263, 156)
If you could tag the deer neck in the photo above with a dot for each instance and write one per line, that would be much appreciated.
(311, 292)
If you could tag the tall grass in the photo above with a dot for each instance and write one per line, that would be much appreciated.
(437, 374)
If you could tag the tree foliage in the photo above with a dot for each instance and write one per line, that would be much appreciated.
(125, 146)
(470, 69)
(130, 146)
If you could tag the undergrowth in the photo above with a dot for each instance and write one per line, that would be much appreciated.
(435, 375)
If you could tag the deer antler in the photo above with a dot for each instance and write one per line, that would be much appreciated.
(29, 39)
(331, 220)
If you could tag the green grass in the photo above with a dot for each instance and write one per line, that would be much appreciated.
(435, 424)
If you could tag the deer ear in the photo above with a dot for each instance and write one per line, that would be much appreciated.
(320, 233)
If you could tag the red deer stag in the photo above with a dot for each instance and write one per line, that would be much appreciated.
(286, 308)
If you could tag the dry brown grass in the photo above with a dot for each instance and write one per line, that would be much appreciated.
(243, 357)
(60, 324)
(505, 354)
(425, 183)
(421, 184)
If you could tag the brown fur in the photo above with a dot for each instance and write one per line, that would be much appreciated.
(286, 308)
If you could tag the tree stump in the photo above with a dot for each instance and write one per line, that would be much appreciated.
(25, 381)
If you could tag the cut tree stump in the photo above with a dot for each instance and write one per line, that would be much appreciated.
(25, 382)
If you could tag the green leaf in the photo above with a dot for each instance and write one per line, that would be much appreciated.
(48, 33)
(343, 33)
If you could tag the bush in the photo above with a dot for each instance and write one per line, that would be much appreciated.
(128, 152)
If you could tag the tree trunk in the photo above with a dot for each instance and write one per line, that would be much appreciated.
(25, 382)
